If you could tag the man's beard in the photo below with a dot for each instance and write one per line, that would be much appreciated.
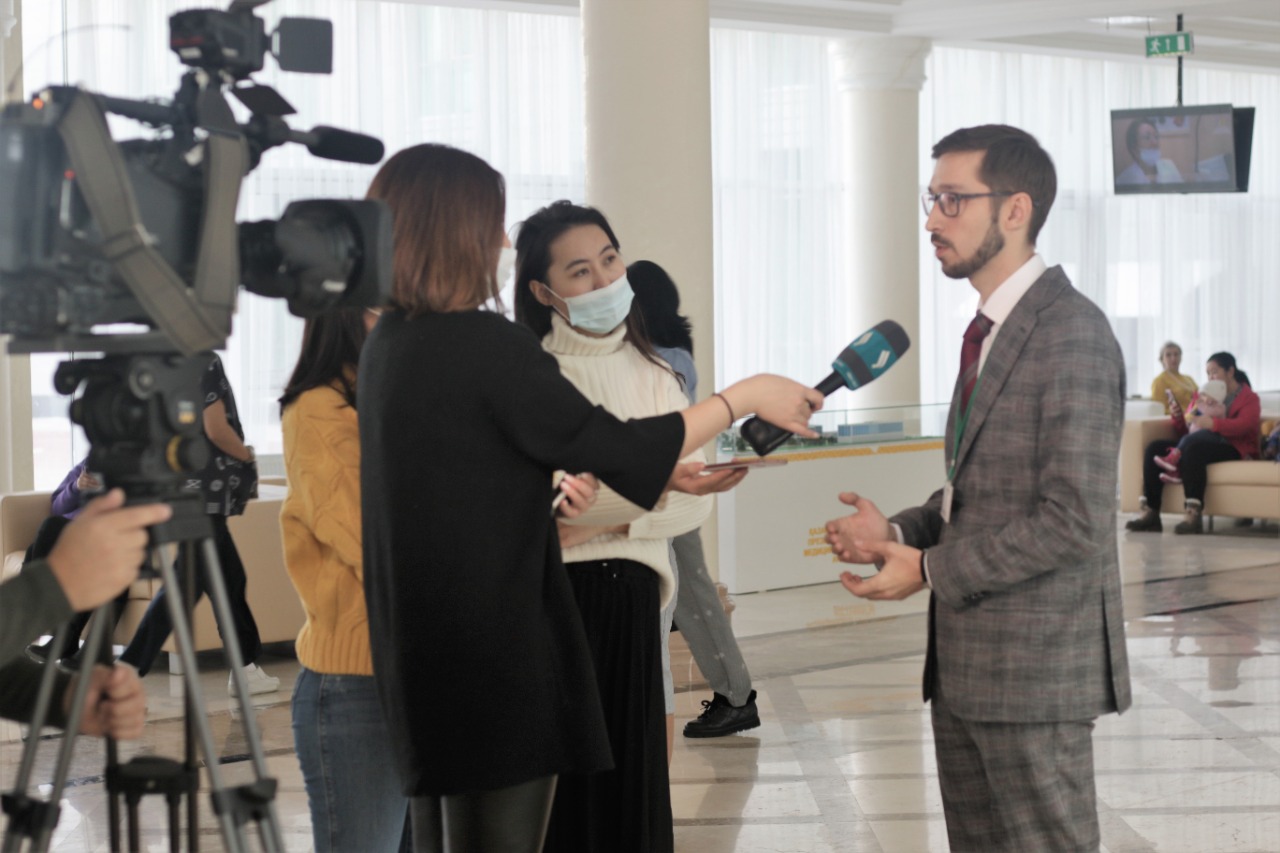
(992, 243)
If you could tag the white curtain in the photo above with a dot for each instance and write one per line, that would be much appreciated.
(506, 86)
(1196, 269)
(781, 299)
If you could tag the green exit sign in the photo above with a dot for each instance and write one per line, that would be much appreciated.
(1173, 44)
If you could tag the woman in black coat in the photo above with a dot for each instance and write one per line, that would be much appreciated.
(478, 650)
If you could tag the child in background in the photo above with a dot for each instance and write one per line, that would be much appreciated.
(1271, 444)
(1208, 401)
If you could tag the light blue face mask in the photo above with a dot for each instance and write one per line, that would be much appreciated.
(1150, 156)
(599, 311)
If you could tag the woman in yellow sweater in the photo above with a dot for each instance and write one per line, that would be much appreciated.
(1170, 381)
(342, 743)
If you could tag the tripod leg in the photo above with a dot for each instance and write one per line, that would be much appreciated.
(135, 832)
(195, 702)
(113, 795)
(175, 817)
(42, 829)
(272, 840)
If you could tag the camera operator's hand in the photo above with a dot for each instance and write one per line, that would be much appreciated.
(98, 554)
(115, 705)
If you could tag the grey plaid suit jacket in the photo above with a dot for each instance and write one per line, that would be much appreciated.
(1025, 620)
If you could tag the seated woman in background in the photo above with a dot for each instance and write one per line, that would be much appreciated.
(342, 744)
(1241, 428)
(1208, 401)
(1170, 381)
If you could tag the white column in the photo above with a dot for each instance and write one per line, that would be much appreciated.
(16, 464)
(648, 136)
(880, 80)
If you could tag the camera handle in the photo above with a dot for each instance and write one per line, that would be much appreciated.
(35, 819)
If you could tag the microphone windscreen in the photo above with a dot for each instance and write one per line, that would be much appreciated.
(335, 144)
(871, 354)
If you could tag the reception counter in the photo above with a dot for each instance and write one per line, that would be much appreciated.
(772, 525)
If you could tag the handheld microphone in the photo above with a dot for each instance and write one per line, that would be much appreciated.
(871, 354)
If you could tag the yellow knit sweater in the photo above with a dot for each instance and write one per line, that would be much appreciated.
(320, 523)
(1183, 388)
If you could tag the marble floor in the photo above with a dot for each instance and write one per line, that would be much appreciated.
(844, 758)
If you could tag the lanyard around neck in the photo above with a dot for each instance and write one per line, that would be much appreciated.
(962, 421)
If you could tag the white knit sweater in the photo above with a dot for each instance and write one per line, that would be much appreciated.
(612, 373)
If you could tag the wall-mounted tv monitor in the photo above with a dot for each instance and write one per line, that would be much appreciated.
(1202, 149)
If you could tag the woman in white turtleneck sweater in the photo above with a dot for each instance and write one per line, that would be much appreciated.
(571, 290)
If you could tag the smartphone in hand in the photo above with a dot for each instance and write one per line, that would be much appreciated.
(753, 462)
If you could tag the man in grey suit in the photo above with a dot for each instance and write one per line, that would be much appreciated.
(1026, 631)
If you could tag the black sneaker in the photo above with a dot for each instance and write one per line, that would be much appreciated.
(719, 718)
(40, 651)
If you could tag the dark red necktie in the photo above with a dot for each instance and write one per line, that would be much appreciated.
(970, 352)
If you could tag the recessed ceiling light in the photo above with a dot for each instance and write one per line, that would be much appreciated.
(1121, 21)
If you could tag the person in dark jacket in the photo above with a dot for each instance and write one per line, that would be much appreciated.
(479, 654)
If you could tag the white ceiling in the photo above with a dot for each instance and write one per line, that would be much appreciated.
(1228, 33)
(1234, 33)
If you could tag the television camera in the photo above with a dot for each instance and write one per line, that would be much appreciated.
(95, 233)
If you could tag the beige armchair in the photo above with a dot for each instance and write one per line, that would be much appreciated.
(272, 599)
(1243, 489)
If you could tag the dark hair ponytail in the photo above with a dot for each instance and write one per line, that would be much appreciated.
(659, 302)
(331, 344)
(1227, 361)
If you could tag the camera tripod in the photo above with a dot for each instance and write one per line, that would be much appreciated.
(35, 819)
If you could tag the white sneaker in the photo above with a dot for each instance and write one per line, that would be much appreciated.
(259, 681)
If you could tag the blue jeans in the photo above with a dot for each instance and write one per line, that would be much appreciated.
(346, 755)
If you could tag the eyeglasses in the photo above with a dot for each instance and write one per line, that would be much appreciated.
(950, 202)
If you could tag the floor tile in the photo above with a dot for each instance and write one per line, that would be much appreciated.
(843, 759)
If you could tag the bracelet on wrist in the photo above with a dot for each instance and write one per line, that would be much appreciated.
(723, 399)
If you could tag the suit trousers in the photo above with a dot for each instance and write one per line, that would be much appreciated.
(1016, 786)
(699, 616)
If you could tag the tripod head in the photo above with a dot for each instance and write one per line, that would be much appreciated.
(143, 416)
